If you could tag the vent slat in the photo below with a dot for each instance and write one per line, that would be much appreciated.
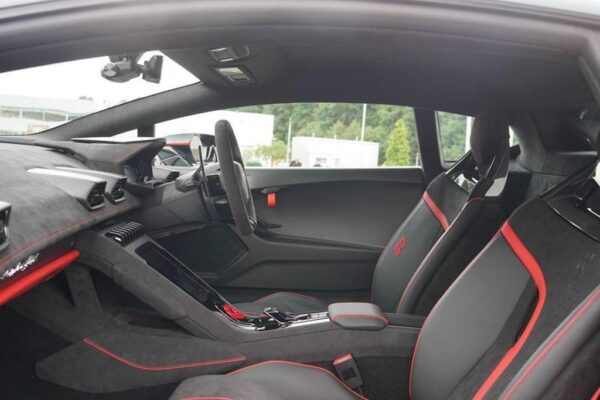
(126, 232)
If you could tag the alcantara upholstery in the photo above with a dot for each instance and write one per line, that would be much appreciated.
(445, 211)
(520, 322)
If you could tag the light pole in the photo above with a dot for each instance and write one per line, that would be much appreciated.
(289, 143)
(364, 123)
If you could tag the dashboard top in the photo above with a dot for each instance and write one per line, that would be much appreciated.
(45, 212)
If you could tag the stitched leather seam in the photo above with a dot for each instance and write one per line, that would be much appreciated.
(135, 365)
(95, 215)
(323, 370)
(548, 348)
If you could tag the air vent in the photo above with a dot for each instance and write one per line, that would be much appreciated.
(117, 194)
(4, 217)
(126, 232)
(114, 183)
(88, 190)
(96, 198)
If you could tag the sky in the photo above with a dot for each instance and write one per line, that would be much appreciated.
(70, 80)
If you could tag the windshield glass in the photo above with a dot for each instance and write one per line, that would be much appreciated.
(36, 99)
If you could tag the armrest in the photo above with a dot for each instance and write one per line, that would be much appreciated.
(359, 316)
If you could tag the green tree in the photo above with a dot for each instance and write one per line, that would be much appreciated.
(275, 152)
(398, 149)
(337, 130)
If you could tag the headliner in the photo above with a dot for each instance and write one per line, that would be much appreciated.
(452, 75)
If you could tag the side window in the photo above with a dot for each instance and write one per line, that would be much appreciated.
(454, 131)
(334, 135)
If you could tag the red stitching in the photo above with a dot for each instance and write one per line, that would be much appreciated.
(425, 260)
(435, 210)
(97, 214)
(206, 398)
(525, 375)
(32, 278)
(133, 364)
(531, 265)
(440, 300)
(298, 365)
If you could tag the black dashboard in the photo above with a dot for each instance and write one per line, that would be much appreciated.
(52, 196)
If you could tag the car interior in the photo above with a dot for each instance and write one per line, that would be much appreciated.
(124, 275)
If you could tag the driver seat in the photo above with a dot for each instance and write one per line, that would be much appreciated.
(522, 321)
(449, 226)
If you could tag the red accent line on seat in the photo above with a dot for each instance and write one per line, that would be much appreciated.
(557, 338)
(596, 395)
(25, 282)
(343, 358)
(440, 300)
(133, 364)
(436, 211)
(206, 398)
(532, 266)
(372, 316)
(298, 365)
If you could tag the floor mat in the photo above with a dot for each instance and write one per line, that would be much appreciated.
(22, 343)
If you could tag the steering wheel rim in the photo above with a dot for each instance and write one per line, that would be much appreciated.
(234, 179)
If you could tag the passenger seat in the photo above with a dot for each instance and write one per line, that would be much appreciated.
(460, 211)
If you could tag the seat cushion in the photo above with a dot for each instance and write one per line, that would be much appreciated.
(284, 301)
(270, 380)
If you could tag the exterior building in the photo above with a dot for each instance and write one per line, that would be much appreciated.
(323, 152)
(22, 115)
(251, 130)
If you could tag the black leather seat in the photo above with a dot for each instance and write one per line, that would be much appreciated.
(522, 321)
(465, 215)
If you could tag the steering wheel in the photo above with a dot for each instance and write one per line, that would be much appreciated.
(233, 178)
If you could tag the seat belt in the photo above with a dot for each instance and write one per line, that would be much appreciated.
(347, 370)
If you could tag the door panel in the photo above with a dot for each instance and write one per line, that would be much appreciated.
(352, 206)
(333, 226)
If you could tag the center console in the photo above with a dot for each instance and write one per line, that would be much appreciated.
(163, 262)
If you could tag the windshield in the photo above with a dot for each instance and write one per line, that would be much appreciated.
(36, 99)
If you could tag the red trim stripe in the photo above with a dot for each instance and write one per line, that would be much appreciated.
(532, 266)
(26, 282)
(299, 365)
(436, 211)
(206, 398)
(566, 328)
(135, 365)
(596, 395)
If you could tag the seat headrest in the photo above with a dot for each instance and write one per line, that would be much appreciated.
(489, 137)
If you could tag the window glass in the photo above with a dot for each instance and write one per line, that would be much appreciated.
(334, 135)
(36, 99)
(454, 131)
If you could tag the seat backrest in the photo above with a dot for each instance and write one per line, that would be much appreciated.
(476, 181)
(522, 320)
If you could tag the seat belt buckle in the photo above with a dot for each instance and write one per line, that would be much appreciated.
(347, 371)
